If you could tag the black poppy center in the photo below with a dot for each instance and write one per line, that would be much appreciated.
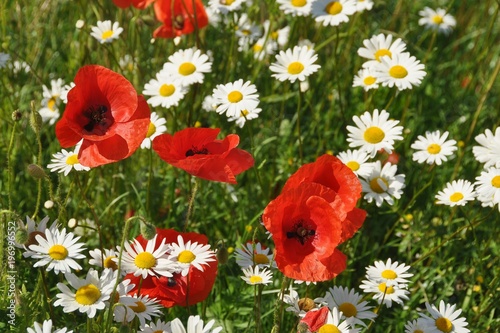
(301, 231)
(96, 116)
(197, 151)
(171, 282)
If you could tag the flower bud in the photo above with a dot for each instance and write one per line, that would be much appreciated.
(36, 171)
(222, 253)
(148, 230)
(21, 236)
(17, 115)
(35, 119)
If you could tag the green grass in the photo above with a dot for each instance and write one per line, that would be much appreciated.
(453, 252)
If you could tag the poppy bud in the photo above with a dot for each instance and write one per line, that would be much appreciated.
(306, 304)
(16, 115)
(222, 253)
(36, 171)
(21, 236)
(35, 119)
(148, 230)
(124, 329)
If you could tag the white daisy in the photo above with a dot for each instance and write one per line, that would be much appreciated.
(106, 260)
(433, 148)
(264, 46)
(382, 184)
(141, 307)
(332, 12)
(388, 272)
(350, 303)
(54, 92)
(245, 115)
(209, 103)
(293, 64)
(488, 151)
(225, 6)
(362, 5)
(415, 327)
(65, 161)
(437, 20)
(296, 7)
(247, 32)
(488, 186)
(386, 294)
(50, 113)
(158, 327)
(253, 254)
(445, 319)
(356, 161)
(365, 78)
(156, 127)
(280, 36)
(334, 323)
(51, 99)
(190, 254)
(456, 193)
(147, 261)
(65, 90)
(253, 275)
(402, 70)
(46, 327)
(235, 97)
(378, 46)
(165, 90)
(105, 32)
(189, 66)
(299, 306)
(58, 250)
(128, 63)
(194, 325)
(4, 58)
(91, 294)
(374, 132)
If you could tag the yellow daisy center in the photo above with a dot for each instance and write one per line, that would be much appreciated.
(260, 259)
(348, 309)
(433, 148)
(382, 52)
(138, 307)
(87, 295)
(72, 159)
(328, 328)
(384, 288)
(299, 3)
(353, 165)
(496, 181)
(374, 135)
(254, 279)
(151, 130)
(398, 72)
(389, 274)
(187, 68)
(234, 96)
(58, 252)
(457, 196)
(107, 34)
(110, 263)
(167, 90)
(51, 104)
(186, 257)
(274, 35)
(145, 260)
(333, 8)
(438, 19)
(418, 331)
(369, 80)
(295, 68)
(375, 186)
(257, 48)
(444, 324)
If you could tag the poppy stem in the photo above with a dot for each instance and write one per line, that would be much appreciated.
(278, 308)
(301, 154)
(191, 202)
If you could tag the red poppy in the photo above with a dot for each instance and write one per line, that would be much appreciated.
(179, 17)
(141, 4)
(315, 319)
(306, 231)
(329, 171)
(105, 111)
(196, 151)
(178, 290)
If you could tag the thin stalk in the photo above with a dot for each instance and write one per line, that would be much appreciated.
(301, 153)
(190, 203)
(278, 308)
(9, 166)
(150, 176)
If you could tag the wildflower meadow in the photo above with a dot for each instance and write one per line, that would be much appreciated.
(206, 166)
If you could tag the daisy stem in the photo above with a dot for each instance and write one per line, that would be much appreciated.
(278, 308)
(301, 155)
(190, 203)
(391, 100)
(43, 281)
(39, 161)
(252, 146)
(9, 166)
(257, 294)
(150, 172)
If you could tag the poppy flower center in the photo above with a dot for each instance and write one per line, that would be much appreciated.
(178, 22)
(295, 68)
(433, 148)
(145, 260)
(87, 295)
(438, 19)
(369, 80)
(195, 151)
(167, 90)
(382, 52)
(254, 279)
(389, 274)
(139, 307)
(301, 232)
(379, 185)
(107, 34)
(260, 258)
(385, 289)
(333, 8)
(151, 130)
(353, 165)
(58, 252)
(187, 68)
(373, 135)
(299, 3)
(97, 119)
(186, 257)
(72, 159)
(348, 309)
(306, 304)
(444, 324)
(457, 196)
(110, 263)
(328, 328)
(398, 72)
(495, 182)
(234, 96)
